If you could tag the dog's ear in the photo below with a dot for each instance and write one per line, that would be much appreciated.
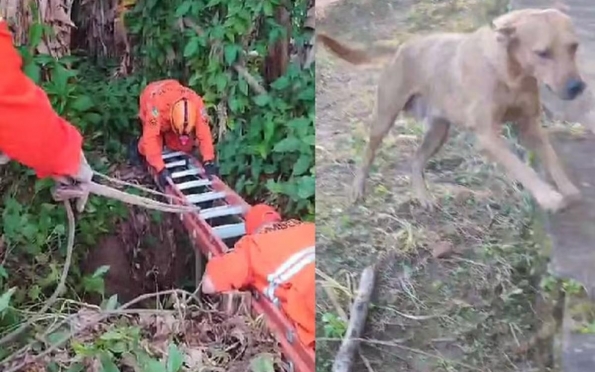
(561, 6)
(504, 33)
(505, 25)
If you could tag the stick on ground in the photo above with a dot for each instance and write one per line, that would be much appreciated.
(359, 313)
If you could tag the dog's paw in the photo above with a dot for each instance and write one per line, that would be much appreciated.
(356, 195)
(552, 201)
(571, 194)
(572, 198)
(423, 197)
(357, 191)
(427, 203)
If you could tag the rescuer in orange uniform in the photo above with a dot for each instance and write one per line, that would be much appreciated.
(277, 259)
(173, 114)
(30, 130)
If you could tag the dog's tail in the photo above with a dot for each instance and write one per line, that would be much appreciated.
(374, 55)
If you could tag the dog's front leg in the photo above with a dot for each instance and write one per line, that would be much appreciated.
(535, 138)
(547, 197)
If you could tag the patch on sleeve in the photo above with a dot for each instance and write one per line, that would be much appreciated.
(155, 112)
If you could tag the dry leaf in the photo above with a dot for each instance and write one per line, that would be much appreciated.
(93, 365)
(194, 359)
(85, 317)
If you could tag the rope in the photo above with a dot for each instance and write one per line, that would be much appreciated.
(66, 192)
(136, 186)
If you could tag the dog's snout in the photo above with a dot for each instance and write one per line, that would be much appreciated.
(574, 87)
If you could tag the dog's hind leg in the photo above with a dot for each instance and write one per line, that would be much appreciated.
(433, 140)
(391, 100)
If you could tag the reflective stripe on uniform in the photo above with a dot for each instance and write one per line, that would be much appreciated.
(293, 265)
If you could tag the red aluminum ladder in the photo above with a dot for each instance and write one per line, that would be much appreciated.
(215, 229)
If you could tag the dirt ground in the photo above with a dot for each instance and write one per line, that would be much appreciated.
(472, 309)
(147, 252)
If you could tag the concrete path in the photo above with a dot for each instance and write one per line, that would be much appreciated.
(573, 232)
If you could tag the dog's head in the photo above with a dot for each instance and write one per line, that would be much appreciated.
(544, 44)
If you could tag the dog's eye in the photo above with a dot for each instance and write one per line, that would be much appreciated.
(573, 48)
(543, 53)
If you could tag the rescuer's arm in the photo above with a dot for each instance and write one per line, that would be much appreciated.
(231, 271)
(204, 138)
(30, 130)
(152, 142)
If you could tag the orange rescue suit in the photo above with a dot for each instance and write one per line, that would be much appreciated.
(155, 113)
(30, 130)
(256, 257)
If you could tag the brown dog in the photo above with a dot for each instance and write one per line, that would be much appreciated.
(478, 81)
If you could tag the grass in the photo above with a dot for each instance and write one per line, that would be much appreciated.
(473, 309)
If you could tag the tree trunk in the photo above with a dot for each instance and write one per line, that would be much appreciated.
(55, 13)
(277, 60)
(101, 30)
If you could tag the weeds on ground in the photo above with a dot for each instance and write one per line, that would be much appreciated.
(185, 334)
(457, 287)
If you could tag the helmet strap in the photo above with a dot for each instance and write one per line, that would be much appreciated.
(185, 115)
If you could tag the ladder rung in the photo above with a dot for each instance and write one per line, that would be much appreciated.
(177, 163)
(184, 173)
(230, 231)
(204, 197)
(191, 184)
(171, 154)
(224, 210)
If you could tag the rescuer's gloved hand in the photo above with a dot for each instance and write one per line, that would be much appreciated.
(3, 158)
(211, 169)
(164, 178)
(81, 178)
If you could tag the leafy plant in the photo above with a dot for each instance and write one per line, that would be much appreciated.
(33, 227)
(95, 283)
(125, 341)
(267, 151)
(334, 326)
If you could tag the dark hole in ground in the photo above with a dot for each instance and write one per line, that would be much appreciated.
(145, 253)
(151, 251)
